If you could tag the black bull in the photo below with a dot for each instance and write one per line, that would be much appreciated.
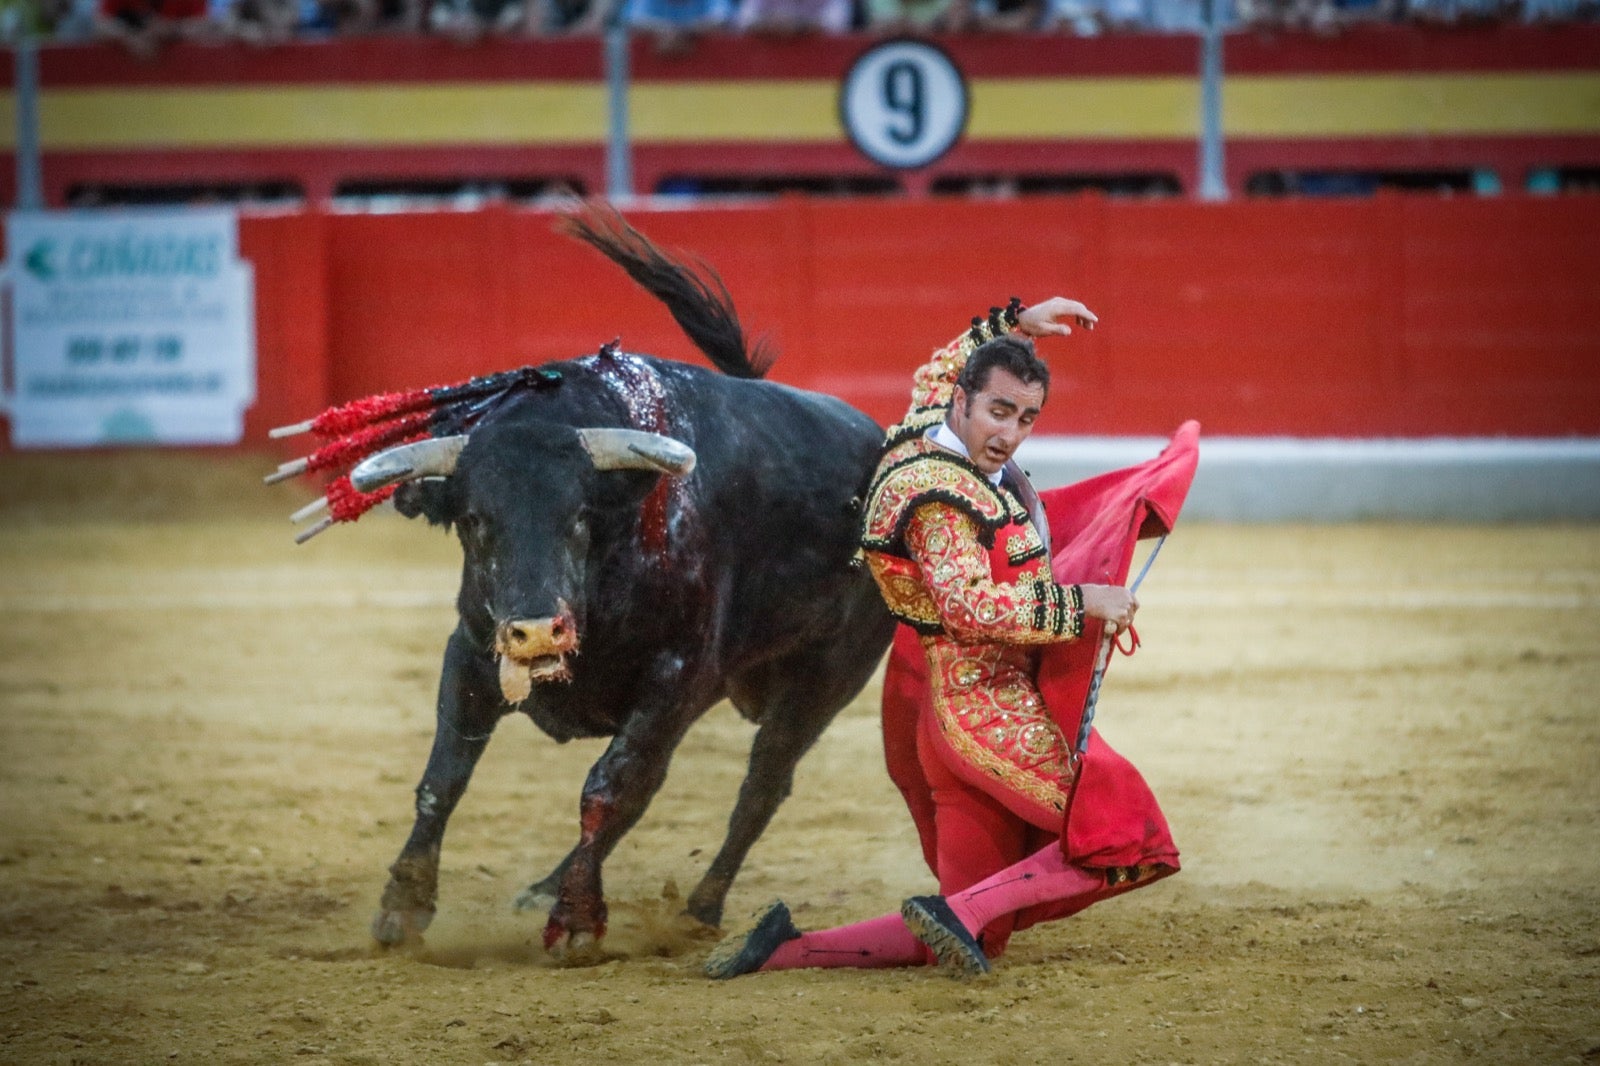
(608, 589)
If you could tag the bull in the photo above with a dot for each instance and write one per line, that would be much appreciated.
(641, 539)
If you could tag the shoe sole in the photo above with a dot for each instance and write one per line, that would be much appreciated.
(723, 960)
(949, 949)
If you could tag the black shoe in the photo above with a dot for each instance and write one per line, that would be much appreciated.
(739, 955)
(937, 926)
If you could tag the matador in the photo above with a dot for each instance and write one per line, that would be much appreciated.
(960, 545)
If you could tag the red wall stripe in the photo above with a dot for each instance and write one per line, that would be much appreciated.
(1433, 49)
(420, 59)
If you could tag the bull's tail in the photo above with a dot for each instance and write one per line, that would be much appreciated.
(692, 291)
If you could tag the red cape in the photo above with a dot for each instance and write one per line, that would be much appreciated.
(1113, 818)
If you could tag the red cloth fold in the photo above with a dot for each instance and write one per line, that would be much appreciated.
(1113, 818)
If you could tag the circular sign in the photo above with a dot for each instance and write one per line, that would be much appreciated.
(903, 103)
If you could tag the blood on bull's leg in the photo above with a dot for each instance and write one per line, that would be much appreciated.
(578, 916)
(468, 709)
(619, 787)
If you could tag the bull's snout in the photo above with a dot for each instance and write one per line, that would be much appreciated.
(527, 638)
(534, 649)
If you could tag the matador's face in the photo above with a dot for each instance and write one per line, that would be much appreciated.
(995, 421)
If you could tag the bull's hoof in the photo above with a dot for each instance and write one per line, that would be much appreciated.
(574, 941)
(392, 928)
(576, 949)
(534, 898)
(707, 914)
(706, 901)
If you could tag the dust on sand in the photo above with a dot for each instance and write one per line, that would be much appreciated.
(1378, 746)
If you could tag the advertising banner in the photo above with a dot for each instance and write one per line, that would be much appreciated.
(132, 327)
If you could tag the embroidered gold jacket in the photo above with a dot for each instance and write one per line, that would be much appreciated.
(952, 553)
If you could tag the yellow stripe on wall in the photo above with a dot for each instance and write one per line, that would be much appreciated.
(803, 111)
(1084, 108)
(1411, 104)
(272, 117)
(794, 111)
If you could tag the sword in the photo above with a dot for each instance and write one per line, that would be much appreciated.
(1103, 658)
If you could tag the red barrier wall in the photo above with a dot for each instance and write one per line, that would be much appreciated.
(1396, 316)
(289, 254)
(1403, 316)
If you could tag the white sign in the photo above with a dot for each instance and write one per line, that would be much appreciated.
(129, 328)
(904, 103)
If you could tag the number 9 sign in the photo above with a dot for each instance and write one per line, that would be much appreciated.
(903, 103)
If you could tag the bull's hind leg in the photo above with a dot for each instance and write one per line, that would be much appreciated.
(468, 708)
(794, 700)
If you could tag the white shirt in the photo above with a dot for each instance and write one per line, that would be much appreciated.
(945, 437)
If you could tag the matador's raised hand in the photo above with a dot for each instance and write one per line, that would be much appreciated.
(1044, 319)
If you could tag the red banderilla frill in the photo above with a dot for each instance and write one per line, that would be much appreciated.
(361, 428)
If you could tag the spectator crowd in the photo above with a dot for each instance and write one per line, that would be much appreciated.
(144, 26)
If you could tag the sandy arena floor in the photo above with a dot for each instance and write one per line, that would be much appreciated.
(1378, 746)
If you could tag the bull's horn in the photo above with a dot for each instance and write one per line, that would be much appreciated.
(630, 449)
(435, 457)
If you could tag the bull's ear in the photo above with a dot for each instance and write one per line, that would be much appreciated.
(631, 449)
(435, 457)
(428, 497)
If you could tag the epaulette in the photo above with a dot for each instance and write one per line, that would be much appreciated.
(917, 472)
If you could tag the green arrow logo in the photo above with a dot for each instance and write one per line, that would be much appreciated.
(38, 261)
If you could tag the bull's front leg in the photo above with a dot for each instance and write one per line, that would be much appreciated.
(469, 706)
(618, 789)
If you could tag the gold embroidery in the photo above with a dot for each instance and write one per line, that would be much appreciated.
(904, 592)
(995, 721)
(1019, 511)
(915, 472)
(1024, 545)
(970, 604)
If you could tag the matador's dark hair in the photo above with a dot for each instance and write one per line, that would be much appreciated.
(1011, 353)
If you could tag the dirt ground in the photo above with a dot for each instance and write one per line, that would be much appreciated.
(1378, 746)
